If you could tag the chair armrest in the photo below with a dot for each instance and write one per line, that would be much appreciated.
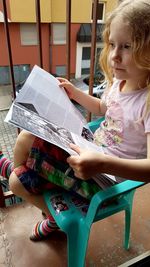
(110, 193)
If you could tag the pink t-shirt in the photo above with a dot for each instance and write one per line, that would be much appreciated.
(123, 133)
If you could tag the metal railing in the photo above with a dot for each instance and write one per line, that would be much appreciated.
(5, 195)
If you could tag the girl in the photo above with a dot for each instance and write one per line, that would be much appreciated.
(125, 133)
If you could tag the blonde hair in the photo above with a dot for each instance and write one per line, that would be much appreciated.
(137, 14)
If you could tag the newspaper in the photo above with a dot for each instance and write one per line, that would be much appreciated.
(44, 109)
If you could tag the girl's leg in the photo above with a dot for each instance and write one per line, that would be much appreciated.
(18, 189)
(43, 228)
(53, 167)
(50, 162)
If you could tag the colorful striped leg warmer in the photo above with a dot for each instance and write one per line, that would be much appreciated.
(6, 166)
(43, 229)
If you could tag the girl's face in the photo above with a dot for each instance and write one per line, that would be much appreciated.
(120, 56)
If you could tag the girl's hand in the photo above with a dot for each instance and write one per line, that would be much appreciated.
(87, 163)
(70, 89)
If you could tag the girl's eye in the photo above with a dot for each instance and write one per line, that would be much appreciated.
(111, 45)
(127, 46)
(121, 46)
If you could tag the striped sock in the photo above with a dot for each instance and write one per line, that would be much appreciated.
(6, 166)
(42, 229)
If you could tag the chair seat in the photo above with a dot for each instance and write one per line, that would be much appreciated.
(60, 201)
(75, 215)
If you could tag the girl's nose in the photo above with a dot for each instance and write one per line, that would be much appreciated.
(116, 55)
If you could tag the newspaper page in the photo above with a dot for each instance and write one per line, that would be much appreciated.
(44, 109)
(51, 102)
(54, 119)
(30, 121)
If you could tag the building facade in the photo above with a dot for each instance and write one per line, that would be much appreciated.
(24, 38)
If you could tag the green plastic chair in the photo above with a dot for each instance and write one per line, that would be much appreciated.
(75, 215)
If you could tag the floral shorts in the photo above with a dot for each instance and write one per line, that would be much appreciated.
(46, 168)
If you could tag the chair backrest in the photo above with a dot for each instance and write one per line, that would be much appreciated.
(93, 125)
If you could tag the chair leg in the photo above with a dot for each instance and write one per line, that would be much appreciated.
(128, 213)
(77, 245)
(127, 228)
(2, 198)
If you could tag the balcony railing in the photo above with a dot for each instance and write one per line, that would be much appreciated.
(4, 195)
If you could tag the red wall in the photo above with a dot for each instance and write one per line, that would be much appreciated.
(54, 55)
(23, 54)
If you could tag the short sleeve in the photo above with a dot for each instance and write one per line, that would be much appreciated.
(147, 122)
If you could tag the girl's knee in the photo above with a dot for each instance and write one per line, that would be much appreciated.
(13, 181)
(14, 184)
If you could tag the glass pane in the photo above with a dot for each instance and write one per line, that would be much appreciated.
(59, 33)
(28, 34)
(85, 71)
(4, 75)
(100, 11)
(61, 70)
(86, 52)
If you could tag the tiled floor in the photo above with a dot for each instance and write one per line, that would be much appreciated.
(8, 136)
(105, 244)
(5, 97)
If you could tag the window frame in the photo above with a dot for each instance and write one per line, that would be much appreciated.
(79, 51)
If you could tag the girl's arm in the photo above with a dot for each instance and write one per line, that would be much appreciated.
(89, 163)
(90, 103)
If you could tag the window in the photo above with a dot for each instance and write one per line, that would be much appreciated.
(59, 33)
(60, 70)
(83, 57)
(86, 55)
(28, 34)
(21, 72)
(85, 65)
(100, 11)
